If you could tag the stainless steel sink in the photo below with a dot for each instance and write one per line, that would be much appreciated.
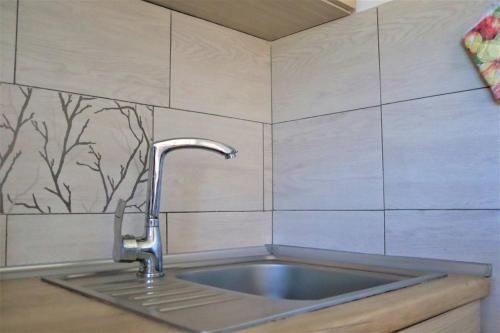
(229, 290)
(292, 281)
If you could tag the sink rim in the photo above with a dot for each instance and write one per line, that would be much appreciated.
(262, 268)
(300, 263)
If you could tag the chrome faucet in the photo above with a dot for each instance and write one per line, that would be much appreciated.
(147, 249)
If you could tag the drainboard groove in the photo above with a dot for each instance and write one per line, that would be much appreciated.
(113, 286)
(180, 299)
(200, 303)
(147, 290)
(155, 294)
(138, 287)
(123, 286)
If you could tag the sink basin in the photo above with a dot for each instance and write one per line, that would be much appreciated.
(281, 280)
(214, 292)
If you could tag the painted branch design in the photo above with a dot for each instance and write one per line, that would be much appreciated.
(139, 153)
(9, 157)
(142, 175)
(55, 165)
(33, 205)
(126, 179)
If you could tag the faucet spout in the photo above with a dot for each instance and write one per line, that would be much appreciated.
(159, 150)
(147, 249)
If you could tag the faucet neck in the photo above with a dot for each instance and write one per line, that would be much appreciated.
(157, 156)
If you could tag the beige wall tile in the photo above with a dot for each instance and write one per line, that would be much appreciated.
(8, 12)
(442, 152)
(330, 68)
(454, 235)
(353, 231)
(219, 70)
(420, 47)
(102, 125)
(93, 47)
(209, 231)
(268, 168)
(197, 180)
(468, 235)
(36, 239)
(329, 162)
(3, 237)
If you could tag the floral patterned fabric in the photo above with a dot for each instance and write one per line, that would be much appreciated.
(483, 44)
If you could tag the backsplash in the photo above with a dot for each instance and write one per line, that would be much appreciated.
(386, 140)
(70, 153)
(83, 97)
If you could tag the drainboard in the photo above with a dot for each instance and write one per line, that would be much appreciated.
(223, 298)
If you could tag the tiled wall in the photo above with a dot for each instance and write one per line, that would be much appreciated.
(385, 139)
(86, 86)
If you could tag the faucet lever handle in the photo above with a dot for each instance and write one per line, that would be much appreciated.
(124, 247)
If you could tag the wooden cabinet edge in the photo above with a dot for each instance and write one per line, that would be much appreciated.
(464, 319)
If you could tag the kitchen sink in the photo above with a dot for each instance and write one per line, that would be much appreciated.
(281, 280)
(224, 291)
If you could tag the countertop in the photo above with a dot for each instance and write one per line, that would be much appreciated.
(30, 305)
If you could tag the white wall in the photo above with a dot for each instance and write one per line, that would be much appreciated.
(367, 4)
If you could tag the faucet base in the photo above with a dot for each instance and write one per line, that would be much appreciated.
(144, 275)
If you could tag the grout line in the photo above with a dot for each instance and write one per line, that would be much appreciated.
(272, 143)
(442, 209)
(6, 238)
(248, 120)
(261, 211)
(379, 62)
(166, 233)
(272, 227)
(132, 102)
(436, 95)
(15, 41)
(387, 209)
(215, 115)
(263, 169)
(385, 243)
(271, 79)
(272, 183)
(379, 105)
(142, 213)
(170, 64)
(381, 125)
(326, 114)
(73, 92)
(153, 126)
(328, 210)
(66, 213)
(215, 211)
(272, 167)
